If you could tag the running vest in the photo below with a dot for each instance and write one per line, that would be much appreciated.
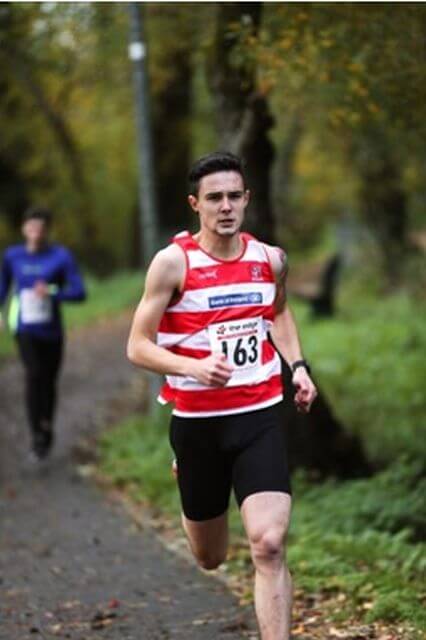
(225, 306)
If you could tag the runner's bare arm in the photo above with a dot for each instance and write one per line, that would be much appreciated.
(284, 331)
(164, 279)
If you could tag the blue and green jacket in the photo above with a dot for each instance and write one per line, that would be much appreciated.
(54, 265)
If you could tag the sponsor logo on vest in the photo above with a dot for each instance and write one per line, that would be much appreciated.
(236, 299)
(208, 274)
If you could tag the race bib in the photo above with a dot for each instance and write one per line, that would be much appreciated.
(34, 310)
(239, 340)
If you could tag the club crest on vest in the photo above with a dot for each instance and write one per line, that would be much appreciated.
(256, 272)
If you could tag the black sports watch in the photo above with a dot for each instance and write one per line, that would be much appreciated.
(300, 363)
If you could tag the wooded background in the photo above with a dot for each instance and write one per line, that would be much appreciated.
(325, 102)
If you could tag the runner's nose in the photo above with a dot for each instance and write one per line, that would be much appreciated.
(226, 205)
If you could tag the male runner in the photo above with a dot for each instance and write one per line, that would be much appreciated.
(42, 276)
(210, 301)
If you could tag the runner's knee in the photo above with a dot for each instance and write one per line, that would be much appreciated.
(267, 549)
(210, 560)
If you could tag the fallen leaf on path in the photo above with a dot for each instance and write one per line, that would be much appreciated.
(86, 470)
(56, 629)
(113, 604)
(70, 604)
(56, 570)
(237, 625)
(164, 599)
(103, 619)
(298, 630)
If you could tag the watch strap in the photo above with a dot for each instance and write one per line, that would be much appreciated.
(300, 363)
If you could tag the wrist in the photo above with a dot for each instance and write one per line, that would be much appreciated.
(300, 363)
(185, 366)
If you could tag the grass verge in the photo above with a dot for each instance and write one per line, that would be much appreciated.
(341, 541)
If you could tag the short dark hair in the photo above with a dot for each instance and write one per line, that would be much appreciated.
(38, 213)
(212, 163)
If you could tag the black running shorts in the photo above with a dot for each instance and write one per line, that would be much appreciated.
(246, 452)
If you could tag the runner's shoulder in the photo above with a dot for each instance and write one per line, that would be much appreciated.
(61, 251)
(14, 252)
(168, 266)
(277, 257)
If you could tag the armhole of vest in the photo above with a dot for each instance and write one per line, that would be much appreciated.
(185, 279)
(268, 260)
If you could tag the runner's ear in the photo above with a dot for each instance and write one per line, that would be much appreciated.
(193, 202)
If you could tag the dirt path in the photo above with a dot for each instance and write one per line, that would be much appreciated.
(72, 563)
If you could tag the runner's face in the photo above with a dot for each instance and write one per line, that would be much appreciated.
(221, 202)
(35, 232)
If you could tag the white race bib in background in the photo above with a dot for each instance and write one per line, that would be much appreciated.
(34, 309)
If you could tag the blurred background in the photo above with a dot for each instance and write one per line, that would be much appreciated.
(326, 103)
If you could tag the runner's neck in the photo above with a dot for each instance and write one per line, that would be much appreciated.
(36, 248)
(228, 248)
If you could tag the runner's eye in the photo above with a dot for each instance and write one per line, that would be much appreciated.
(216, 197)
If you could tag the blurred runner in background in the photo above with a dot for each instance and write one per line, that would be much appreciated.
(39, 275)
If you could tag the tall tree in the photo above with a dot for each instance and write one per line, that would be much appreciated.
(171, 64)
(242, 111)
(383, 199)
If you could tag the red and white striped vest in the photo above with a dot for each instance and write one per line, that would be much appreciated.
(227, 306)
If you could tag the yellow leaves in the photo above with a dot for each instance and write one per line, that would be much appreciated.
(327, 43)
(302, 16)
(355, 67)
(286, 43)
(265, 85)
(354, 118)
(337, 116)
(361, 90)
(303, 61)
(358, 88)
(373, 108)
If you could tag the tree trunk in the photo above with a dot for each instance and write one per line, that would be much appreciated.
(242, 112)
(14, 193)
(383, 200)
(283, 176)
(172, 141)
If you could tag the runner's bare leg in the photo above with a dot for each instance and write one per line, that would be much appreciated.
(266, 518)
(208, 540)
